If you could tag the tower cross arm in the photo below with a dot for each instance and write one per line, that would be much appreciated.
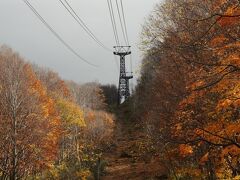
(123, 87)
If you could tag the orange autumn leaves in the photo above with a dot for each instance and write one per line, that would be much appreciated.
(221, 128)
(185, 150)
(31, 126)
(231, 16)
(42, 125)
(193, 48)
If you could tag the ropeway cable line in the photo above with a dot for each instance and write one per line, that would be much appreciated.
(77, 18)
(121, 23)
(124, 21)
(111, 12)
(121, 51)
(124, 29)
(56, 34)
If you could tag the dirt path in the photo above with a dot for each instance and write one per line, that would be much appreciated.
(123, 161)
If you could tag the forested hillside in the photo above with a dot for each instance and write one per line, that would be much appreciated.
(190, 84)
(182, 120)
(49, 128)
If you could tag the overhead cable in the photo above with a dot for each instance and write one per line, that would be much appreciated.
(121, 23)
(56, 34)
(77, 18)
(124, 21)
(110, 7)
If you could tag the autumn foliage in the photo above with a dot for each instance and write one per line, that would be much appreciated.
(190, 84)
(45, 132)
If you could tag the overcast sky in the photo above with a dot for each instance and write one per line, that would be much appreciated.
(23, 32)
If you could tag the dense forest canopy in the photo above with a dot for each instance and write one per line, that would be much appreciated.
(190, 83)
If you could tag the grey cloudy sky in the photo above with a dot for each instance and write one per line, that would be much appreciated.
(23, 32)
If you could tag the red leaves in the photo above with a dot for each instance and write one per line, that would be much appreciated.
(230, 17)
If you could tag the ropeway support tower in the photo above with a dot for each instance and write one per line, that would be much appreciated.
(123, 87)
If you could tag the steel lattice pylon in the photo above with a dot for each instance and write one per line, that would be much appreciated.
(123, 87)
